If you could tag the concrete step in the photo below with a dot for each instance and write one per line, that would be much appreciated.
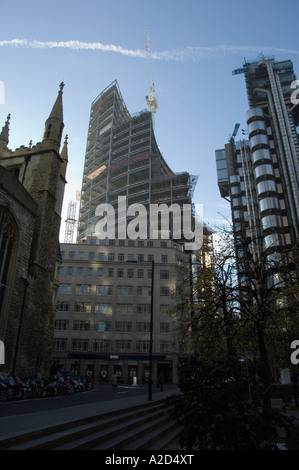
(146, 426)
(47, 437)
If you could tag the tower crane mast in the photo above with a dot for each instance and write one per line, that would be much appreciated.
(151, 98)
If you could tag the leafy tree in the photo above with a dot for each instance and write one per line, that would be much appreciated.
(218, 411)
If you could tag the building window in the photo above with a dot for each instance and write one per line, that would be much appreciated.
(60, 344)
(91, 255)
(61, 324)
(143, 327)
(140, 273)
(124, 290)
(104, 290)
(100, 272)
(65, 289)
(110, 256)
(83, 289)
(150, 257)
(140, 257)
(164, 291)
(111, 242)
(120, 272)
(61, 271)
(82, 307)
(164, 258)
(165, 346)
(143, 291)
(63, 306)
(123, 346)
(121, 242)
(81, 255)
(131, 243)
(121, 257)
(110, 272)
(140, 243)
(142, 346)
(143, 308)
(101, 256)
(130, 273)
(93, 241)
(164, 309)
(80, 325)
(102, 326)
(90, 271)
(71, 254)
(80, 344)
(103, 308)
(123, 326)
(164, 327)
(79, 271)
(124, 308)
(101, 345)
(164, 274)
(150, 244)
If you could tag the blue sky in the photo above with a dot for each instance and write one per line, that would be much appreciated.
(195, 47)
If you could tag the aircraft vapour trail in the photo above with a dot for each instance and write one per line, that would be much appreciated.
(190, 53)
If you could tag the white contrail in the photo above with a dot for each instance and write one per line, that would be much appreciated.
(193, 53)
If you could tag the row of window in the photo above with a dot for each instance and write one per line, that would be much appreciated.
(108, 346)
(102, 326)
(108, 308)
(85, 289)
(93, 256)
(111, 272)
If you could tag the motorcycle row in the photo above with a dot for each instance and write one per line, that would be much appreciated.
(14, 388)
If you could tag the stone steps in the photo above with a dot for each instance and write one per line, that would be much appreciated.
(147, 426)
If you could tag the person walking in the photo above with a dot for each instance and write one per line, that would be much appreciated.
(161, 381)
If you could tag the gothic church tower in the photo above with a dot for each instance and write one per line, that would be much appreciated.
(32, 181)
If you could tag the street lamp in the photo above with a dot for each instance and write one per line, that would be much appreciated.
(150, 381)
(150, 384)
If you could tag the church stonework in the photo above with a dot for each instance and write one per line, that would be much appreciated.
(32, 181)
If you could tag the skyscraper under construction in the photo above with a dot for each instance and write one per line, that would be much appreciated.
(260, 175)
(123, 159)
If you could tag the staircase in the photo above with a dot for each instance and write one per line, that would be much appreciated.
(142, 427)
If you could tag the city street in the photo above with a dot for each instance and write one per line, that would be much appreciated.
(101, 392)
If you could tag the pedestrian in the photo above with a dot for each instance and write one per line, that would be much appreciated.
(114, 381)
(161, 381)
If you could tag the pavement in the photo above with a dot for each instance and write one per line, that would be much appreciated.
(33, 421)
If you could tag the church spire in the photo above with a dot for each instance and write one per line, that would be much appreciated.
(54, 124)
(4, 136)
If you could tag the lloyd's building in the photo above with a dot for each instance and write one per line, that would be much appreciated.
(116, 293)
(260, 175)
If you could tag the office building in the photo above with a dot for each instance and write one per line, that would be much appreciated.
(259, 175)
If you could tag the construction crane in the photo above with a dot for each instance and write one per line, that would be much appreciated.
(236, 128)
(71, 219)
(151, 98)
